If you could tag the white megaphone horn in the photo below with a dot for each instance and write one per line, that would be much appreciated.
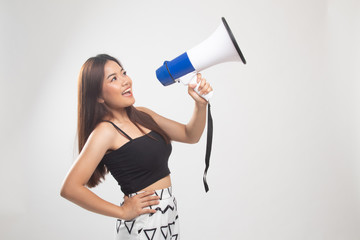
(220, 47)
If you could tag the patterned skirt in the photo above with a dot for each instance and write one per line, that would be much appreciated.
(162, 225)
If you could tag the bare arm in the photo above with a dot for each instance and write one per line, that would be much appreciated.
(74, 189)
(192, 131)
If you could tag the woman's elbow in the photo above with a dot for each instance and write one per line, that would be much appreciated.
(193, 140)
(64, 192)
(67, 191)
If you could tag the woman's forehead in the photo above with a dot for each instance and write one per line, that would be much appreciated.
(111, 68)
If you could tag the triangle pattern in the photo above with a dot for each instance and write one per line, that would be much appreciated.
(127, 225)
(148, 233)
(164, 231)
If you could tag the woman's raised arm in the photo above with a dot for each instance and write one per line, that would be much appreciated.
(192, 131)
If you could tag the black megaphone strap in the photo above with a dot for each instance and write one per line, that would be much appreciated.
(208, 146)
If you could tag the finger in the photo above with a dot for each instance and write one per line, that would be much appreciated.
(149, 198)
(145, 193)
(192, 92)
(205, 88)
(202, 84)
(198, 77)
(148, 210)
(150, 203)
(209, 89)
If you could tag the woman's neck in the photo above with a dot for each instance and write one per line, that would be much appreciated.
(120, 116)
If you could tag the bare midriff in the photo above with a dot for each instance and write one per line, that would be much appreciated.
(160, 184)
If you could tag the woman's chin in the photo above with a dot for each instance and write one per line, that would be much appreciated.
(130, 101)
(133, 100)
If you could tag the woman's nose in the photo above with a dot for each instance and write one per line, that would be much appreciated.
(126, 81)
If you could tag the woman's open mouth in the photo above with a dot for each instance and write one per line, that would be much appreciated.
(127, 92)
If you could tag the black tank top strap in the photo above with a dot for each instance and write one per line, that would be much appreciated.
(119, 130)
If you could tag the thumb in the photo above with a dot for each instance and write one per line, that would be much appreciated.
(192, 85)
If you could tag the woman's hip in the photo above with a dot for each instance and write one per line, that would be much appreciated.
(163, 224)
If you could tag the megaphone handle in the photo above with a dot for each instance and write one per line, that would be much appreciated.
(193, 78)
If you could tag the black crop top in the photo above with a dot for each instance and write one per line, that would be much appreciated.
(140, 162)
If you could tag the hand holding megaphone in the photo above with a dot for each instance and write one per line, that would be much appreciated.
(202, 87)
(195, 78)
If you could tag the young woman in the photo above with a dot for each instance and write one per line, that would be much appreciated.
(133, 144)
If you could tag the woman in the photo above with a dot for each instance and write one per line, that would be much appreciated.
(133, 143)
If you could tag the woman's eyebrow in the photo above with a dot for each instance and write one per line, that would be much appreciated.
(113, 74)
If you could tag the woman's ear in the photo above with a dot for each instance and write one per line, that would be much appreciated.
(100, 100)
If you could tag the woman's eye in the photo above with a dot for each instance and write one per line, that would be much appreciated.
(124, 73)
(114, 78)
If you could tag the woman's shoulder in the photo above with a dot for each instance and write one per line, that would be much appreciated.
(100, 139)
(104, 130)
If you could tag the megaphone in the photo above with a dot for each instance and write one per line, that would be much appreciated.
(220, 47)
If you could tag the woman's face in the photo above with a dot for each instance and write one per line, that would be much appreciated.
(116, 91)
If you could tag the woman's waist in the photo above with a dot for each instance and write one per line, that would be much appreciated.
(161, 187)
(162, 193)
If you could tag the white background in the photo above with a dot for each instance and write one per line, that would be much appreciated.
(286, 150)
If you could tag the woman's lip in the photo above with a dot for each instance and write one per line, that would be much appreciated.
(128, 94)
(127, 91)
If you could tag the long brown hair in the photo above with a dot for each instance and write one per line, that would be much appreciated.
(91, 112)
